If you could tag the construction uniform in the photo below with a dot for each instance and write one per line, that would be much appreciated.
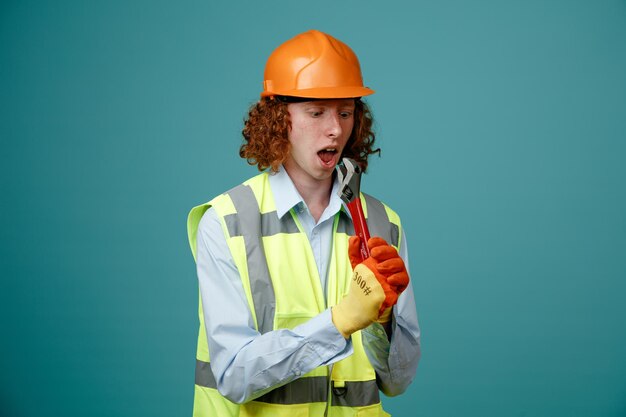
(268, 275)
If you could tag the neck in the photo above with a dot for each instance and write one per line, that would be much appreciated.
(316, 193)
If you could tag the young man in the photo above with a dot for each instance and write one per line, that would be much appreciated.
(296, 322)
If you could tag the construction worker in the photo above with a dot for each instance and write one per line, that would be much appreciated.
(296, 322)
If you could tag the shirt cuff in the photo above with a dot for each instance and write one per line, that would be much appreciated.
(377, 346)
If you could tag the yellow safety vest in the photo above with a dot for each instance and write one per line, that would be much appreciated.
(268, 252)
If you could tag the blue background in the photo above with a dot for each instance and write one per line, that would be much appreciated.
(503, 128)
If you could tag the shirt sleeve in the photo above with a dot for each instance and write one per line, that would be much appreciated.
(246, 363)
(395, 360)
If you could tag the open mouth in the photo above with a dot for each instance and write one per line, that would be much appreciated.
(327, 156)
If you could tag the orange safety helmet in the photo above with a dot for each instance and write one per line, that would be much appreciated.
(313, 64)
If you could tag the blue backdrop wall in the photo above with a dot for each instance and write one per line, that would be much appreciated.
(503, 128)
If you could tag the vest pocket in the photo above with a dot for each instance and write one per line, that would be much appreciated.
(375, 410)
(369, 411)
(291, 320)
(260, 409)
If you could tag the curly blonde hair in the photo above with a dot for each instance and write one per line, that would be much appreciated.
(266, 135)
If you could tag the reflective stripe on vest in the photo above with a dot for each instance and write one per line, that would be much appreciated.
(315, 389)
(243, 223)
(204, 375)
(304, 390)
(388, 231)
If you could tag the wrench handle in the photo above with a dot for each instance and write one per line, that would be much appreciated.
(360, 226)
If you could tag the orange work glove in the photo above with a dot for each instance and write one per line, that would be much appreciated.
(387, 266)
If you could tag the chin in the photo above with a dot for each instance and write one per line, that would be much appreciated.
(321, 175)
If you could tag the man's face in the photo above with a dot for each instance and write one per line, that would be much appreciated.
(319, 131)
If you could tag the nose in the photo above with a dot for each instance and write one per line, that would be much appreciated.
(333, 127)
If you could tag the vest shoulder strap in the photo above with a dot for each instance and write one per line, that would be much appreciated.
(193, 220)
(223, 203)
(382, 220)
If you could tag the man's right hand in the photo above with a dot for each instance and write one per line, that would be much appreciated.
(362, 305)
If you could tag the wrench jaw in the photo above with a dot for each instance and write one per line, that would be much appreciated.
(349, 173)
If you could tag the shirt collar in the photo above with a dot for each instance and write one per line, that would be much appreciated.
(286, 196)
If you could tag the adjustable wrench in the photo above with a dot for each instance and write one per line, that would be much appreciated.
(349, 174)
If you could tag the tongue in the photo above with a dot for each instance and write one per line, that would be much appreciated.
(326, 156)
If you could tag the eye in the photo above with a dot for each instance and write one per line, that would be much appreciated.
(316, 113)
(345, 114)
